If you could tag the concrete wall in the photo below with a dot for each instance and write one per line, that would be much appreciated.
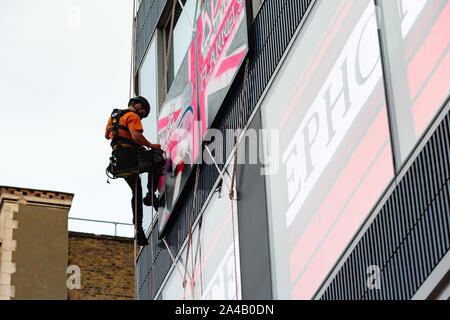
(41, 253)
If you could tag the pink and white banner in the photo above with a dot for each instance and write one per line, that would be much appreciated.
(209, 68)
(176, 130)
(222, 44)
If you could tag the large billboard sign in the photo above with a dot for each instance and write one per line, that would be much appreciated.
(176, 127)
(207, 71)
(328, 103)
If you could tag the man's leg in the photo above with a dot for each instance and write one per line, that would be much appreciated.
(154, 186)
(134, 182)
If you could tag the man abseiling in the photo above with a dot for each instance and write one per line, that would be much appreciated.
(125, 130)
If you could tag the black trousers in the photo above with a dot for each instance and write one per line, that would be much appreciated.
(134, 182)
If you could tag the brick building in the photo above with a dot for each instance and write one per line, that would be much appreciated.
(106, 267)
(40, 259)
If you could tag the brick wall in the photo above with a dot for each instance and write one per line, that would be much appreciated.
(106, 267)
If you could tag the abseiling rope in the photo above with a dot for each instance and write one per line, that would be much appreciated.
(194, 267)
(151, 241)
(172, 257)
(135, 234)
(241, 112)
(132, 72)
(185, 265)
(133, 51)
(192, 283)
(231, 194)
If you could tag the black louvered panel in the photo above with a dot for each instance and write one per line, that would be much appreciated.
(272, 30)
(147, 17)
(410, 234)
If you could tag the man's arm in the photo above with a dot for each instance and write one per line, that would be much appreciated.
(139, 138)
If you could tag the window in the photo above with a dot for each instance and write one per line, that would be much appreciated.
(182, 35)
(328, 104)
(415, 38)
(170, 72)
(148, 88)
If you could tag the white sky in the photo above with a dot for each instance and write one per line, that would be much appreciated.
(64, 65)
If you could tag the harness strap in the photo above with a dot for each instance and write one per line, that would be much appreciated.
(115, 119)
(123, 140)
(123, 128)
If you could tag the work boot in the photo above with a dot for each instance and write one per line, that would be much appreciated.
(140, 237)
(148, 200)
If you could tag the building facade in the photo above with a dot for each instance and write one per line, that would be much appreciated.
(105, 265)
(33, 236)
(340, 185)
(41, 260)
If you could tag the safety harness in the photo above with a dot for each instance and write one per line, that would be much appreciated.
(117, 139)
(123, 161)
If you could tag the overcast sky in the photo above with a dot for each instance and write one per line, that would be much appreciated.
(64, 65)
